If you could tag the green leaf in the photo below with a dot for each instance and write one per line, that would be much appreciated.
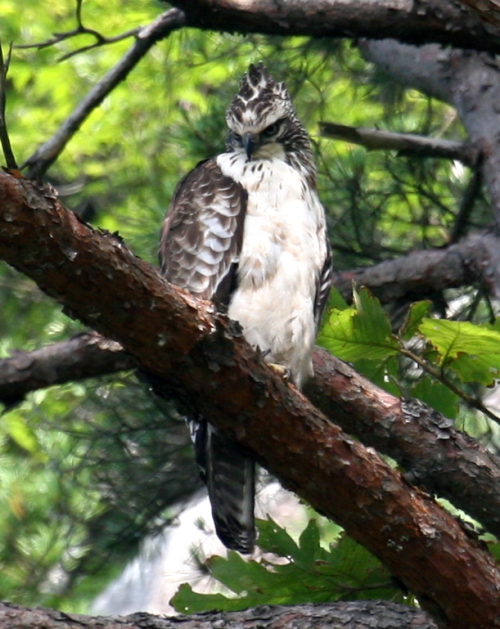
(363, 332)
(414, 316)
(438, 396)
(186, 601)
(23, 435)
(335, 300)
(472, 351)
(310, 574)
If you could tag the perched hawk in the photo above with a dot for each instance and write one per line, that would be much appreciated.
(246, 229)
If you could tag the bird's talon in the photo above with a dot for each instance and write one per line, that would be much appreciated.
(281, 370)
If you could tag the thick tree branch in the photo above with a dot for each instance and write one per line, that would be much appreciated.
(472, 261)
(434, 455)
(445, 21)
(205, 362)
(353, 615)
(81, 357)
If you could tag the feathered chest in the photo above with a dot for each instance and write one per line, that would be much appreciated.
(284, 219)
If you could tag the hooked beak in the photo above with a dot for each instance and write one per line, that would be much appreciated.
(249, 145)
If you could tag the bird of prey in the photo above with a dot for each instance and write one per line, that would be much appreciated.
(247, 230)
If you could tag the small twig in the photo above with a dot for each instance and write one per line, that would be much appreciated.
(440, 377)
(10, 160)
(81, 30)
(404, 143)
(47, 154)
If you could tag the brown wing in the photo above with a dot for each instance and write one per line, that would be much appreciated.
(323, 286)
(202, 234)
(199, 251)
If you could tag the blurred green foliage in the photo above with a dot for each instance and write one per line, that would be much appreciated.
(87, 469)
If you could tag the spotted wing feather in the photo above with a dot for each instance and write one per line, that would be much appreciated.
(201, 237)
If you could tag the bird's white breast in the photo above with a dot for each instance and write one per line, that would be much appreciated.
(282, 255)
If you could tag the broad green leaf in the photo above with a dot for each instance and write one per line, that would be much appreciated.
(472, 351)
(363, 332)
(346, 571)
(383, 373)
(336, 301)
(438, 396)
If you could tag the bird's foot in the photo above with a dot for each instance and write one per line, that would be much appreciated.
(281, 370)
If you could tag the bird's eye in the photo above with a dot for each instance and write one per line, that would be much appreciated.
(237, 137)
(271, 130)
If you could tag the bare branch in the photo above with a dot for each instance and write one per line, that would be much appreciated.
(442, 21)
(80, 29)
(47, 154)
(473, 261)
(404, 143)
(180, 341)
(10, 160)
(84, 356)
(341, 615)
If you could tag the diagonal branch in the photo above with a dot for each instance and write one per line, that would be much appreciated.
(38, 163)
(201, 358)
(435, 455)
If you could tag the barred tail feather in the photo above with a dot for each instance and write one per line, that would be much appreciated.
(230, 477)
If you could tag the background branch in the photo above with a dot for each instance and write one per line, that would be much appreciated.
(10, 160)
(352, 615)
(434, 455)
(404, 143)
(468, 82)
(444, 22)
(80, 29)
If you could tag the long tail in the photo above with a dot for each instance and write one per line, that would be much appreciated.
(230, 477)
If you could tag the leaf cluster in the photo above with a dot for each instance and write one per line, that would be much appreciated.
(292, 572)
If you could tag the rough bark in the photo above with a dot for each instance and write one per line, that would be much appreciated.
(206, 362)
(446, 22)
(355, 615)
(474, 261)
(468, 81)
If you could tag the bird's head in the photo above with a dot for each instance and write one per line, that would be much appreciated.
(261, 116)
